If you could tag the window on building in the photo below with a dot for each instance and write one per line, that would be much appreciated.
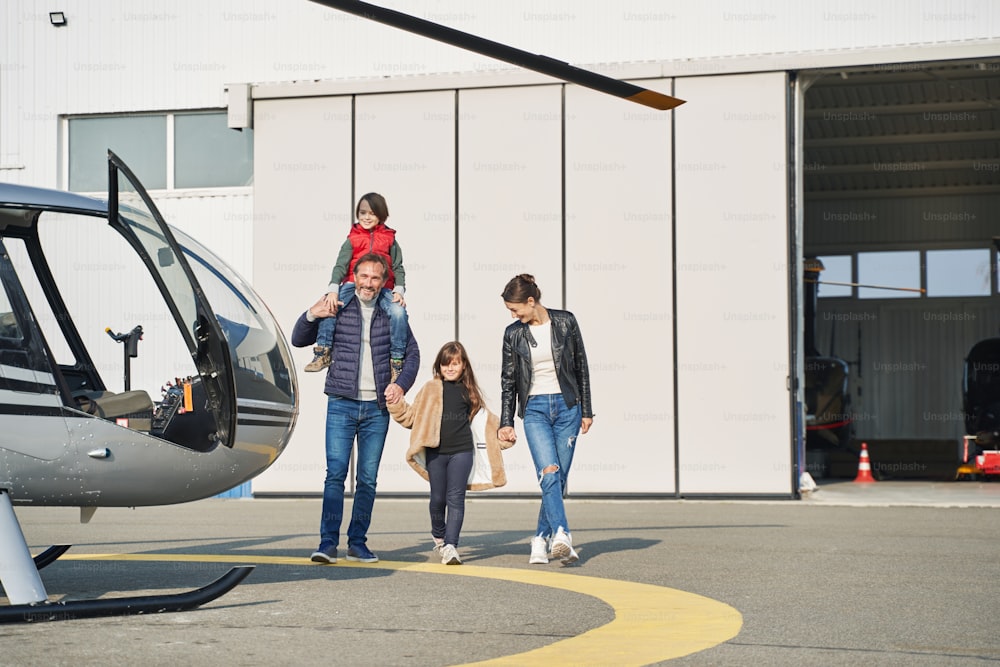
(835, 278)
(889, 275)
(996, 271)
(208, 154)
(139, 140)
(958, 272)
(166, 151)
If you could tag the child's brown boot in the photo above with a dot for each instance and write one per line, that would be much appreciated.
(321, 359)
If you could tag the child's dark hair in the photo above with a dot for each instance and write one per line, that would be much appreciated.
(377, 204)
(521, 288)
(447, 354)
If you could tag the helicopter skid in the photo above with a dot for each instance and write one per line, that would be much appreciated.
(50, 555)
(143, 604)
(29, 601)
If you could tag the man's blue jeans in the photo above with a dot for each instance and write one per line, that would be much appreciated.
(347, 419)
(398, 319)
(551, 429)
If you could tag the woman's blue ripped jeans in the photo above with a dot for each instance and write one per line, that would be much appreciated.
(551, 429)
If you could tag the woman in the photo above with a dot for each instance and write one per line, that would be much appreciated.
(545, 375)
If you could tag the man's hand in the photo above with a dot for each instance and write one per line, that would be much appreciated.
(321, 309)
(393, 394)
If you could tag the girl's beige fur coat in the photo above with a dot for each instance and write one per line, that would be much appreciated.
(423, 418)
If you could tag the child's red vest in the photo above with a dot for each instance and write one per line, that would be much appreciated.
(378, 240)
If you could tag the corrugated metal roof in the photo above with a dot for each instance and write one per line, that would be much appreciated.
(903, 130)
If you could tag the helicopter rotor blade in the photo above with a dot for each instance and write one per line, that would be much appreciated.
(509, 54)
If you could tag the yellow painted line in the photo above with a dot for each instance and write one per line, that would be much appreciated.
(651, 624)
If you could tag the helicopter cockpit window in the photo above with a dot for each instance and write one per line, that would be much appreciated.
(8, 322)
(25, 363)
(260, 359)
(106, 290)
(171, 272)
(46, 321)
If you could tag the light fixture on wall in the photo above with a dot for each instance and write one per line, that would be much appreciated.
(58, 19)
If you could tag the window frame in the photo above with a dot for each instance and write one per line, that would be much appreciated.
(170, 190)
(994, 264)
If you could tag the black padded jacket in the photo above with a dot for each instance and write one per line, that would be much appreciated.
(570, 359)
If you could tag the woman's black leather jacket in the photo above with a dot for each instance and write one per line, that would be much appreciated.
(571, 365)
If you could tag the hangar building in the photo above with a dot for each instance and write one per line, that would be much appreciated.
(864, 136)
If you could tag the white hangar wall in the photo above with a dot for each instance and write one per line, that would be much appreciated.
(481, 186)
(733, 285)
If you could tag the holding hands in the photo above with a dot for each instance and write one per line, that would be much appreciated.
(393, 394)
(507, 434)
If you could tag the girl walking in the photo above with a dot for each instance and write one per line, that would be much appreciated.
(451, 427)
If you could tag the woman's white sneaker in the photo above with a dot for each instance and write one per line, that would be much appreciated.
(539, 551)
(571, 558)
(562, 546)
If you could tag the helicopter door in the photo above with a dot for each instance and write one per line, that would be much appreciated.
(131, 211)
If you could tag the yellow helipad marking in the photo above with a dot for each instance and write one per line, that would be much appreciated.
(651, 624)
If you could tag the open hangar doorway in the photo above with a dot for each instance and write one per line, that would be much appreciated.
(900, 200)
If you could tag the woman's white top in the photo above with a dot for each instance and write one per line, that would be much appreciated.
(543, 366)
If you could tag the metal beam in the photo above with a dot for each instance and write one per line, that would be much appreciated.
(873, 111)
(815, 168)
(885, 193)
(899, 139)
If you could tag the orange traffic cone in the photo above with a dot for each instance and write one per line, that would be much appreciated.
(864, 467)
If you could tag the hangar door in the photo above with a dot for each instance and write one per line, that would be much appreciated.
(734, 425)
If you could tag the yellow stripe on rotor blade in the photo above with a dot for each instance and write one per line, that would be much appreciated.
(651, 98)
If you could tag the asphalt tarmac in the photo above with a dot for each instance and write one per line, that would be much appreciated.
(892, 573)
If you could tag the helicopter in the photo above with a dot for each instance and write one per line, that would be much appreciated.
(68, 436)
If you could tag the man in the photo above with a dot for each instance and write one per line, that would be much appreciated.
(358, 387)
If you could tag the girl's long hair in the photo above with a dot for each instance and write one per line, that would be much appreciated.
(447, 354)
